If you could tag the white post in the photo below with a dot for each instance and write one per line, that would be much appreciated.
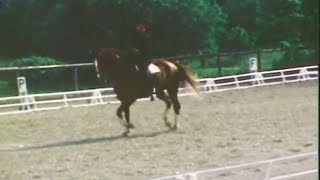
(282, 76)
(22, 85)
(268, 173)
(191, 176)
(210, 85)
(303, 74)
(65, 99)
(236, 80)
(259, 78)
(96, 97)
(253, 65)
(22, 89)
(32, 99)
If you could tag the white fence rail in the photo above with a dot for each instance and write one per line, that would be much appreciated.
(50, 101)
(269, 164)
(44, 67)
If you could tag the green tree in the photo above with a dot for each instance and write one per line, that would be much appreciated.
(241, 30)
(70, 29)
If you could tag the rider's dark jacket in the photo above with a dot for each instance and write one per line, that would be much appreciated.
(141, 49)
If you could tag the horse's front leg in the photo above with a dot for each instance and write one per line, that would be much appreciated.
(120, 116)
(129, 125)
(120, 110)
(126, 109)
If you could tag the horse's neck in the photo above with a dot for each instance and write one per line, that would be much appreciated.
(121, 70)
(123, 74)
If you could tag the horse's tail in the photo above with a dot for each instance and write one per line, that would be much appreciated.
(187, 76)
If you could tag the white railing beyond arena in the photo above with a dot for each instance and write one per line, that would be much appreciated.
(50, 101)
(214, 173)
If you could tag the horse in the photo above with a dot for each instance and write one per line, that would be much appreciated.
(129, 85)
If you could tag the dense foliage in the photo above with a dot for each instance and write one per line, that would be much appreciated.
(71, 29)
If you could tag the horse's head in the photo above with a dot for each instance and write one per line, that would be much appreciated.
(134, 51)
(104, 60)
(110, 63)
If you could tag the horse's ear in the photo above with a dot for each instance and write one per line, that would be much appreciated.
(134, 51)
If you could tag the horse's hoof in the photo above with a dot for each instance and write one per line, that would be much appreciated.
(130, 126)
(126, 134)
(167, 124)
(175, 127)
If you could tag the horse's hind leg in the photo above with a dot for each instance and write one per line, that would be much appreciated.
(173, 94)
(161, 95)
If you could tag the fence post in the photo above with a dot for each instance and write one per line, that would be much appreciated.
(268, 172)
(75, 78)
(209, 86)
(236, 81)
(65, 100)
(259, 60)
(219, 66)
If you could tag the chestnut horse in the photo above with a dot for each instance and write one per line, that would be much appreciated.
(129, 84)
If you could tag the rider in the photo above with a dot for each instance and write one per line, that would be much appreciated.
(141, 56)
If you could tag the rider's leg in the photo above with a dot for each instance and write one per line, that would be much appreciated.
(152, 80)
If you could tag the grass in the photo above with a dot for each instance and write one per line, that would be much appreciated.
(271, 60)
(232, 65)
(6, 89)
(4, 62)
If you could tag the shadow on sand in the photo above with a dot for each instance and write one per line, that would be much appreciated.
(86, 141)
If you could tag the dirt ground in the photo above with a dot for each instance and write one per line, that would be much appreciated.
(221, 129)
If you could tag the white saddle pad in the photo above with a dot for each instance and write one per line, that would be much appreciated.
(153, 69)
